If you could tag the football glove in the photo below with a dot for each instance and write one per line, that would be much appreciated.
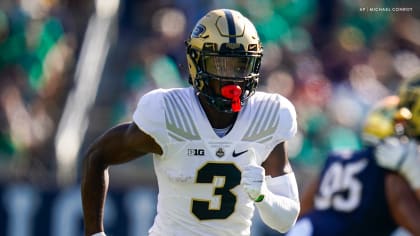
(401, 156)
(253, 181)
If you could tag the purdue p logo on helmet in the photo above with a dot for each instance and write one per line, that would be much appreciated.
(224, 46)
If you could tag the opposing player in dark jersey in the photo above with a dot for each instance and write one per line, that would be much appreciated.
(354, 195)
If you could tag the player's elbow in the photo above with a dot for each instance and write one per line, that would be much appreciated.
(281, 215)
(290, 217)
(93, 160)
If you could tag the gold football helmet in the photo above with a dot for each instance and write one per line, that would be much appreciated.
(224, 47)
(385, 119)
(409, 94)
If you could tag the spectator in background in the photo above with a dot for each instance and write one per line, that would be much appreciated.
(36, 56)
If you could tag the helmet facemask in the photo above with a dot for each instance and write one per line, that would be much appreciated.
(226, 69)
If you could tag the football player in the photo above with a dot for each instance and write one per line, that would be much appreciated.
(219, 146)
(356, 196)
(400, 153)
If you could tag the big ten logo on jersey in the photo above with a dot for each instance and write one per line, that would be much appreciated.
(196, 152)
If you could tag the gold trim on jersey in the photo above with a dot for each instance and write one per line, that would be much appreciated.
(265, 122)
(179, 121)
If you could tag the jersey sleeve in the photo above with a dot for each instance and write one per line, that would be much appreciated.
(287, 126)
(149, 116)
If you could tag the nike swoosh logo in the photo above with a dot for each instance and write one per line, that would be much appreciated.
(234, 154)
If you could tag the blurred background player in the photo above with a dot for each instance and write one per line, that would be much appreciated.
(400, 153)
(214, 142)
(356, 196)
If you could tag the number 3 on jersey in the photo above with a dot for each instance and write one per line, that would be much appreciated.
(232, 177)
(341, 178)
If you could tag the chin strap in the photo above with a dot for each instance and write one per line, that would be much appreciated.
(233, 92)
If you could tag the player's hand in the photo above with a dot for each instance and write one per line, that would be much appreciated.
(253, 181)
(401, 156)
(393, 152)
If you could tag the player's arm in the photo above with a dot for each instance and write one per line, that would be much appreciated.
(276, 195)
(418, 194)
(404, 206)
(277, 163)
(118, 145)
(308, 196)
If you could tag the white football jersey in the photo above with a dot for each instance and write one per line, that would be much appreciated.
(199, 173)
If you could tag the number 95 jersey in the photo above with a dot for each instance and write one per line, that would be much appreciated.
(199, 173)
(351, 197)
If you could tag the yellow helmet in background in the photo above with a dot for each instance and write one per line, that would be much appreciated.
(224, 46)
(385, 119)
(409, 94)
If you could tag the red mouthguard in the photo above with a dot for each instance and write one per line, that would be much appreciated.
(233, 92)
